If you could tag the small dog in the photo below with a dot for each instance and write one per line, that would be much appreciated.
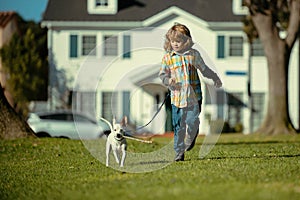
(117, 142)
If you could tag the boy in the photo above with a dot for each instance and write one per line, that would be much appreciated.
(179, 72)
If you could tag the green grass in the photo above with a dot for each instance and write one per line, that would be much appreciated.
(238, 167)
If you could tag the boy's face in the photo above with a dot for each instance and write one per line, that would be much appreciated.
(177, 45)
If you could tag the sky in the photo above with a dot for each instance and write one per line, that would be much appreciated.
(27, 9)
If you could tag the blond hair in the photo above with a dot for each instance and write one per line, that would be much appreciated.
(178, 32)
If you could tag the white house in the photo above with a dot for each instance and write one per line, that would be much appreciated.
(105, 57)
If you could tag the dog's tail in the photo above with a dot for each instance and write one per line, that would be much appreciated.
(107, 132)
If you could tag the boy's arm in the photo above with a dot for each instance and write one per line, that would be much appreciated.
(164, 77)
(207, 72)
(212, 75)
(164, 73)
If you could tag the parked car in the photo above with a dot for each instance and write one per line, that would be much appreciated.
(66, 124)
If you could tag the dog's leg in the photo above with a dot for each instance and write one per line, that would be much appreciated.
(108, 148)
(123, 149)
(116, 155)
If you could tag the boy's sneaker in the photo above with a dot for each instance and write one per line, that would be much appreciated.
(179, 157)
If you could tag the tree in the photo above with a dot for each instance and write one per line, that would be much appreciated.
(266, 20)
(11, 124)
(24, 59)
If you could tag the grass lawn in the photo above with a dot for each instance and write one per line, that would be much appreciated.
(238, 167)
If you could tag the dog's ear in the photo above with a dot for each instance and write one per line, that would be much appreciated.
(124, 121)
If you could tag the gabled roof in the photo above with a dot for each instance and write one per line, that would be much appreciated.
(140, 10)
(6, 17)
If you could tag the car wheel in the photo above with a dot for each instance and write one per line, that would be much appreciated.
(42, 134)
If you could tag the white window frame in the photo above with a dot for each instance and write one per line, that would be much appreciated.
(238, 8)
(95, 8)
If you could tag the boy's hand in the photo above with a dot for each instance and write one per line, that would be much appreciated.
(218, 83)
(172, 81)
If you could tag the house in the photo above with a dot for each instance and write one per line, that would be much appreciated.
(8, 26)
(105, 56)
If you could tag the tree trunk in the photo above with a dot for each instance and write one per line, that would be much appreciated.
(11, 124)
(277, 120)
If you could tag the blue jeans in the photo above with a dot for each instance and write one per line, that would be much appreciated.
(185, 121)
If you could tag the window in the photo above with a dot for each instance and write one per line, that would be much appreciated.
(84, 102)
(235, 108)
(220, 100)
(82, 45)
(258, 105)
(102, 6)
(115, 103)
(73, 46)
(88, 45)
(229, 46)
(109, 102)
(126, 46)
(236, 46)
(257, 48)
(126, 103)
(101, 2)
(110, 46)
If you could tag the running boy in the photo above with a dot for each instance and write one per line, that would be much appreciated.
(179, 72)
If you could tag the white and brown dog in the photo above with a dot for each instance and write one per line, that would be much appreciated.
(117, 142)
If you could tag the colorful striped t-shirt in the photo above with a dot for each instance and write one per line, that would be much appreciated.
(187, 90)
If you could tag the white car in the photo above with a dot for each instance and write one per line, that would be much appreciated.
(66, 124)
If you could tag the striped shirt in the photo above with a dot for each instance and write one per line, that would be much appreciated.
(183, 67)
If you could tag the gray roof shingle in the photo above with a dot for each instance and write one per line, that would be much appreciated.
(139, 10)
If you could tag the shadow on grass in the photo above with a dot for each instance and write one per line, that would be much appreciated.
(154, 162)
(254, 142)
(251, 157)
